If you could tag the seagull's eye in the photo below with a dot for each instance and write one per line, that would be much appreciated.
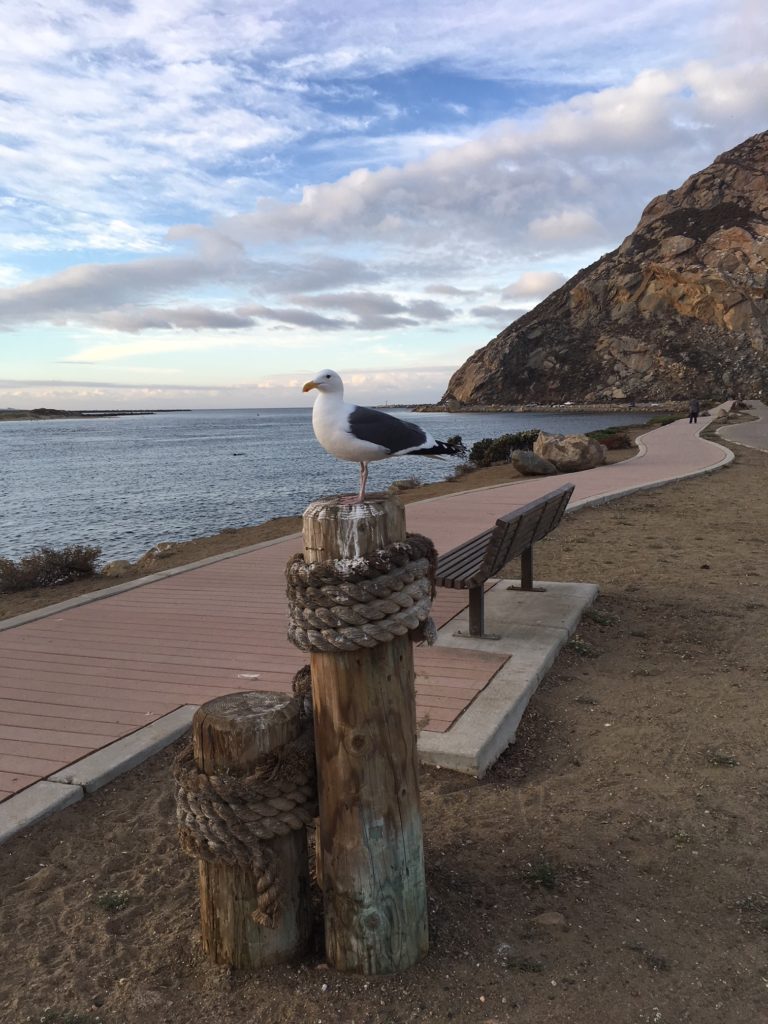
(327, 376)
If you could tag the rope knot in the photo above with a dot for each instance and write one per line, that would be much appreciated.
(348, 604)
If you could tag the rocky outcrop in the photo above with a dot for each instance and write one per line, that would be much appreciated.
(680, 308)
(570, 453)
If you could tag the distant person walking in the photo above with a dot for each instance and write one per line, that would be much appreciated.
(693, 410)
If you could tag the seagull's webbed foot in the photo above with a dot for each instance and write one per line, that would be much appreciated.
(357, 499)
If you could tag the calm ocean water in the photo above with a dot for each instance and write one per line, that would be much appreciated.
(127, 482)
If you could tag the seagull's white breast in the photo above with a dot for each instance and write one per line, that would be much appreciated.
(330, 422)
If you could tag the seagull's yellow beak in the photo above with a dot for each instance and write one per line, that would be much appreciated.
(309, 385)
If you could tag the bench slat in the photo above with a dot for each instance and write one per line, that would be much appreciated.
(464, 559)
(479, 558)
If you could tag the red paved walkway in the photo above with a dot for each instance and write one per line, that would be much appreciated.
(78, 679)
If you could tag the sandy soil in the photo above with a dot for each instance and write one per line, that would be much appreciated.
(631, 811)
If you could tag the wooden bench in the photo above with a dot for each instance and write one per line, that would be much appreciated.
(468, 566)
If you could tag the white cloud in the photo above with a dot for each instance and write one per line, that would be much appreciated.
(296, 317)
(194, 318)
(116, 110)
(576, 178)
(497, 314)
(9, 275)
(559, 229)
(448, 289)
(154, 345)
(534, 284)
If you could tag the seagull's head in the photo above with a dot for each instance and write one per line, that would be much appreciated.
(327, 381)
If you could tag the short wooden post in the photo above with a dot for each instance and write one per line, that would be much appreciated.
(229, 735)
(365, 742)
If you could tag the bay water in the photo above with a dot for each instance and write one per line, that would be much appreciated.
(127, 482)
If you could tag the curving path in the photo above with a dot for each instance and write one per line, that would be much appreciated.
(753, 434)
(78, 676)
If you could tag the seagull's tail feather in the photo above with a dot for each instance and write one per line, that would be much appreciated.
(454, 446)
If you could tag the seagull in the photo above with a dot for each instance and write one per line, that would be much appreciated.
(359, 434)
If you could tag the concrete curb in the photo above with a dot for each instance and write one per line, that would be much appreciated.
(30, 805)
(542, 624)
(724, 431)
(69, 785)
(98, 769)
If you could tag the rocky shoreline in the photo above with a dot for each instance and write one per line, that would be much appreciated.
(68, 414)
(652, 408)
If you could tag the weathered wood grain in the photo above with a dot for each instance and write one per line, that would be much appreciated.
(229, 735)
(365, 740)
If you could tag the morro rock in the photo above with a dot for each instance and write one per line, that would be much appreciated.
(679, 309)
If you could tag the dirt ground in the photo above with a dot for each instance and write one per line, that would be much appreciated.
(631, 812)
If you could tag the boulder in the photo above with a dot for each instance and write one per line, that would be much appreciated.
(571, 452)
(403, 485)
(117, 568)
(162, 550)
(530, 464)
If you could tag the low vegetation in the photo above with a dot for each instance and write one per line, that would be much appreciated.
(662, 421)
(612, 437)
(48, 567)
(498, 449)
(113, 900)
(492, 450)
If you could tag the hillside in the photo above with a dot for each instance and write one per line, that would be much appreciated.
(680, 308)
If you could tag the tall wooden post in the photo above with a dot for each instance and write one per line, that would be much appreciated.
(365, 743)
(229, 735)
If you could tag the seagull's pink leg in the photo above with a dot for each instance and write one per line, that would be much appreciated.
(356, 499)
(363, 480)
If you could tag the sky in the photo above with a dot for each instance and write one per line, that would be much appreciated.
(202, 205)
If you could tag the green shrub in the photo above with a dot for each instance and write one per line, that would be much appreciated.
(611, 437)
(455, 440)
(113, 899)
(48, 567)
(498, 449)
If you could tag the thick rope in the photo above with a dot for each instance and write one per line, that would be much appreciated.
(227, 819)
(348, 604)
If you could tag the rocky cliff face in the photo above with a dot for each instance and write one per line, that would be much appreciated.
(680, 308)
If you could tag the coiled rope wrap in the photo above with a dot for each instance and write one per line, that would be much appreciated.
(347, 604)
(227, 819)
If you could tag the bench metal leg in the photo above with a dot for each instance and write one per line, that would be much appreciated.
(477, 616)
(476, 610)
(526, 569)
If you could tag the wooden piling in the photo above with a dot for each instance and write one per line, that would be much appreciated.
(229, 735)
(365, 742)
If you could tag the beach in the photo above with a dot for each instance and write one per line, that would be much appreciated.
(612, 859)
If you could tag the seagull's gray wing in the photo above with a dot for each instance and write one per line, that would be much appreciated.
(380, 428)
